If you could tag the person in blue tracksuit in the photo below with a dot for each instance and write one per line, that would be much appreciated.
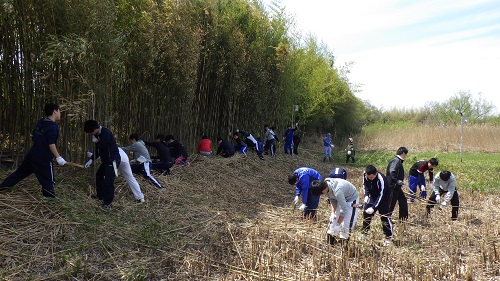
(38, 160)
(288, 136)
(240, 146)
(377, 198)
(327, 147)
(302, 179)
(416, 177)
(107, 149)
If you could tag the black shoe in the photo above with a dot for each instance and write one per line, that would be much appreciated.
(106, 207)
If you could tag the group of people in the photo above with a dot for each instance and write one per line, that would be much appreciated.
(328, 146)
(243, 142)
(381, 194)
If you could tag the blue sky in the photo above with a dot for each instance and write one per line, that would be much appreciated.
(408, 52)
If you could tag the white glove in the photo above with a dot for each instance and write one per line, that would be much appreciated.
(438, 199)
(400, 182)
(422, 188)
(88, 163)
(89, 154)
(335, 229)
(333, 217)
(367, 199)
(370, 210)
(94, 139)
(302, 207)
(60, 161)
(443, 204)
(296, 200)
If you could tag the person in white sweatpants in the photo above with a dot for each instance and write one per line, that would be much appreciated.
(126, 171)
(343, 198)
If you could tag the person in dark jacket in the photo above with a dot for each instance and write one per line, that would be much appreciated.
(252, 143)
(225, 148)
(240, 146)
(416, 177)
(177, 151)
(107, 150)
(38, 160)
(377, 198)
(296, 142)
(395, 176)
(165, 160)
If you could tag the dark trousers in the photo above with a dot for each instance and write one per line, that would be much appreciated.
(270, 145)
(162, 166)
(105, 182)
(312, 204)
(455, 203)
(288, 148)
(42, 169)
(383, 210)
(347, 156)
(398, 196)
(296, 149)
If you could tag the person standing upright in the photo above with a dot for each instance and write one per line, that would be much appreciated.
(38, 160)
(395, 176)
(350, 151)
(269, 140)
(107, 150)
(288, 136)
(327, 147)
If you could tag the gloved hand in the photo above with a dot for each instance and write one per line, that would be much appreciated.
(333, 218)
(237, 130)
(94, 139)
(60, 161)
(336, 229)
(438, 199)
(367, 199)
(88, 164)
(422, 188)
(89, 154)
(296, 124)
(296, 200)
(302, 207)
(400, 182)
(370, 211)
(443, 204)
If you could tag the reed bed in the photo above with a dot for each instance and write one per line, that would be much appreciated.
(231, 219)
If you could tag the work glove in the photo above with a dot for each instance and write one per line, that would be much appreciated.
(332, 219)
(88, 164)
(296, 124)
(438, 199)
(367, 199)
(94, 139)
(422, 188)
(370, 211)
(296, 200)
(89, 154)
(443, 204)
(302, 207)
(334, 229)
(60, 161)
(400, 182)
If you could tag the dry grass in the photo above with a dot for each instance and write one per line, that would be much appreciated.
(476, 138)
(230, 219)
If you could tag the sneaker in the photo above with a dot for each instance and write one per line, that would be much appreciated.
(140, 201)
(387, 242)
(106, 207)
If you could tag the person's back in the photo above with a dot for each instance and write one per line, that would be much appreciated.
(225, 148)
(205, 145)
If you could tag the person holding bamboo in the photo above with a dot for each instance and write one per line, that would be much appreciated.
(302, 179)
(142, 165)
(377, 198)
(107, 149)
(38, 160)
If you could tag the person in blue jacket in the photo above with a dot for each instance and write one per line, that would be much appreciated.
(327, 147)
(107, 149)
(302, 179)
(38, 160)
(288, 136)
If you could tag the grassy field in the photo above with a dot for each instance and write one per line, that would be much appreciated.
(233, 219)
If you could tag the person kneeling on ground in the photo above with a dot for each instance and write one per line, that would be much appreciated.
(177, 150)
(166, 162)
(225, 148)
(445, 183)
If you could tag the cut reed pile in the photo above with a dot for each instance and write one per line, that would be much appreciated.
(230, 219)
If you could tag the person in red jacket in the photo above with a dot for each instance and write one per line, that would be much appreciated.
(205, 146)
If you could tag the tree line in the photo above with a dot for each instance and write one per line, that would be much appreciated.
(183, 67)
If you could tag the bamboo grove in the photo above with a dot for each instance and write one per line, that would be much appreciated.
(164, 66)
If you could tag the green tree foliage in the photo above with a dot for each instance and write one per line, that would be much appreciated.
(165, 66)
